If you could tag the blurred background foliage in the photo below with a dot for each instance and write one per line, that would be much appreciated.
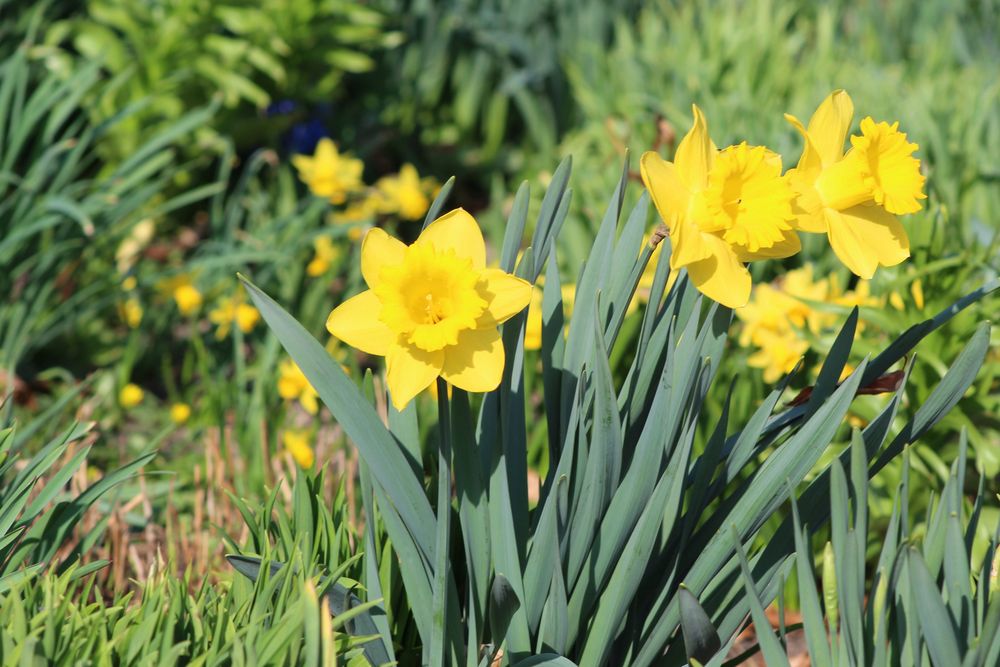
(145, 157)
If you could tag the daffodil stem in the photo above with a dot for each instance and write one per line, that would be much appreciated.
(441, 560)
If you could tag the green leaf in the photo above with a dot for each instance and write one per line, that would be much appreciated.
(434, 212)
(545, 660)
(701, 641)
(381, 452)
(935, 622)
(503, 604)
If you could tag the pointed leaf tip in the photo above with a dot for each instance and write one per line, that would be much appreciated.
(701, 641)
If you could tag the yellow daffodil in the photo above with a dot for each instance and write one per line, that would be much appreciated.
(188, 299)
(405, 194)
(432, 308)
(180, 413)
(298, 445)
(533, 326)
(131, 312)
(777, 318)
(328, 173)
(777, 353)
(130, 395)
(232, 309)
(782, 317)
(723, 208)
(359, 210)
(854, 197)
(181, 289)
(325, 253)
(917, 290)
(293, 385)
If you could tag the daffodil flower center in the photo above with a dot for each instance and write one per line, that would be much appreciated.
(746, 201)
(887, 166)
(430, 297)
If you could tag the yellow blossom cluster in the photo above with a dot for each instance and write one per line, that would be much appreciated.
(337, 177)
(725, 208)
(233, 310)
(783, 317)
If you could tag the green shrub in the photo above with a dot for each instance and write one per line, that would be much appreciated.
(170, 56)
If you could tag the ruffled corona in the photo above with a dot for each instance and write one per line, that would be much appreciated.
(888, 168)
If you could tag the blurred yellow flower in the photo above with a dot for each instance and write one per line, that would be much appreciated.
(854, 197)
(359, 210)
(297, 443)
(188, 299)
(180, 412)
(405, 194)
(917, 290)
(723, 208)
(777, 317)
(533, 326)
(328, 173)
(129, 283)
(130, 395)
(777, 353)
(325, 253)
(232, 309)
(432, 308)
(131, 312)
(293, 385)
(782, 317)
(132, 245)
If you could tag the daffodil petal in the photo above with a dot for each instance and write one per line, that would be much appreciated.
(786, 247)
(722, 277)
(357, 323)
(810, 163)
(881, 233)
(476, 362)
(667, 189)
(379, 250)
(302, 162)
(326, 150)
(695, 153)
(829, 126)
(410, 370)
(505, 294)
(850, 246)
(459, 232)
(689, 244)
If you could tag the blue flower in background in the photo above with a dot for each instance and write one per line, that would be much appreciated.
(281, 108)
(303, 137)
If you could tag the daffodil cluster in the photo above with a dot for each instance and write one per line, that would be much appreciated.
(725, 208)
(337, 177)
(783, 317)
